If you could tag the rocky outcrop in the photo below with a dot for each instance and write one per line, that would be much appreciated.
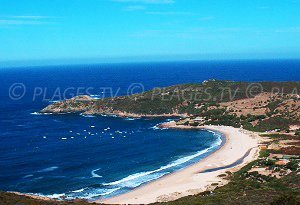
(77, 104)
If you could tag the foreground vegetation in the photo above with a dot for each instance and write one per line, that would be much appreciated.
(245, 188)
(14, 199)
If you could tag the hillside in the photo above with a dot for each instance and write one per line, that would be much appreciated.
(260, 106)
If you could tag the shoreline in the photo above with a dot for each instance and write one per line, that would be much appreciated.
(119, 114)
(240, 148)
(195, 178)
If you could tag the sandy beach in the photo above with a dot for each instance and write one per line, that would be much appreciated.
(240, 144)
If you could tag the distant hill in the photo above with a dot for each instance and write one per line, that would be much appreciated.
(259, 106)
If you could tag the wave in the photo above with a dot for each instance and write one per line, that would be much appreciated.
(92, 193)
(49, 169)
(219, 140)
(94, 175)
(37, 178)
(28, 176)
(39, 113)
(79, 190)
(52, 196)
(84, 115)
(36, 113)
(110, 191)
(211, 131)
(54, 101)
(156, 127)
(130, 119)
(137, 179)
(84, 193)
(172, 164)
(134, 180)
(48, 113)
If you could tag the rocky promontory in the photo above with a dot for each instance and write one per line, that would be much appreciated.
(262, 107)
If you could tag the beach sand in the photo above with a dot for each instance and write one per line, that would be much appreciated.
(240, 144)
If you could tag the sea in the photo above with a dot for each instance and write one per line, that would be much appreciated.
(93, 157)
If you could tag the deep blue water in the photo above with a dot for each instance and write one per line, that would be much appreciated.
(94, 157)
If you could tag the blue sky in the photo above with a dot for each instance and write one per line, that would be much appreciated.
(120, 29)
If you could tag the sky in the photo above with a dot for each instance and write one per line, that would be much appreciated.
(70, 30)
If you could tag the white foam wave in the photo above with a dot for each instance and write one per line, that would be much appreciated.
(211, 132)
(97, 97)
(218, 141)
(173, 164)
(131, 180)
(78, 191)
(84, 193)
(130, 119)
(88, 193)
(141, 180)
(155, 127)
(27, 176)
(110, 191)
(96, 193)
(85, 115)
(38, 113)
(54, 196)
(94, 175)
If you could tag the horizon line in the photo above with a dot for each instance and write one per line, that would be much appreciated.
(88, 61)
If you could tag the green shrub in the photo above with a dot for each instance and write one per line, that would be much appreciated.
(285, 200)
(269, 162)
(264, 153)
(292, 165)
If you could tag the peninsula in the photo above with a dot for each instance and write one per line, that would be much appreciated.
(263, 106)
